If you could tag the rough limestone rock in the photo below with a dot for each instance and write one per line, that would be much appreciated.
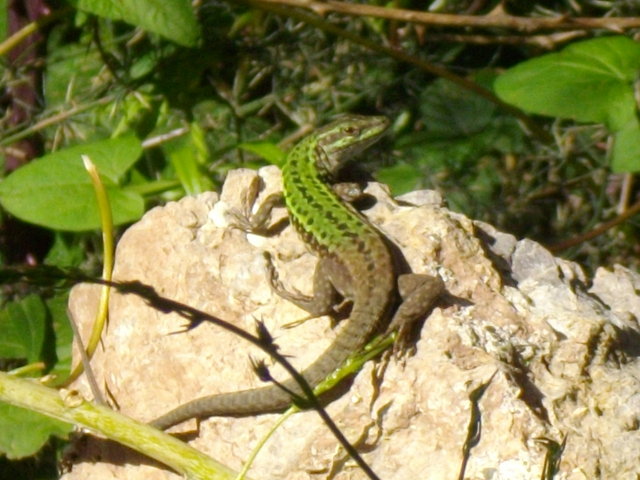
(523, 346)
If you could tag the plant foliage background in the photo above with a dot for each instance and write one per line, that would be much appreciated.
(166, 97)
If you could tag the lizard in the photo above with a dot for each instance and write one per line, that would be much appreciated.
(355, 264)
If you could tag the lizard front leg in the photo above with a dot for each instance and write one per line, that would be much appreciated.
(325, 296)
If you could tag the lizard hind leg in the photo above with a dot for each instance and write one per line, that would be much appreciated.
(418, 293)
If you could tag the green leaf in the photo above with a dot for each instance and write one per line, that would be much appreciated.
(449, 111)
(401, 177)
(590, 81)
(267, 150)
(459, 128)
(64, 253)
(173, 19)
(63, 335)
(626, 148)
(4, 24)
(23, 432)
(22, 329)
(55, 191)
(188, 154)
(71, 68)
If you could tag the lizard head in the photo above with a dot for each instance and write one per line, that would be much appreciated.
(346, 137)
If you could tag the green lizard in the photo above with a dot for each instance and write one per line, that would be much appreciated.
(355, 263)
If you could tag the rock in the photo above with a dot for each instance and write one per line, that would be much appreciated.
(523, 341)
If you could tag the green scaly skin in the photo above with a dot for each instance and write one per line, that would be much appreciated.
(355, 264)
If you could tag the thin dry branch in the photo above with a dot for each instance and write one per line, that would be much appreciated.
(492, 20)
(547, 42)
(599, 230)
